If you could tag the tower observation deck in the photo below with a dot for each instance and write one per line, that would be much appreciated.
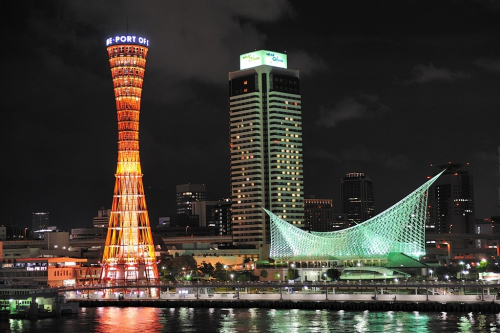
(129, 251)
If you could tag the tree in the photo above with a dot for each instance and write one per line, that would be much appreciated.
(182, 265)
(292, 274)
(333, 273)
(277, 276)
(206, 269)
(246, 260)
(243, 277)
(264, 273)
(220, 272)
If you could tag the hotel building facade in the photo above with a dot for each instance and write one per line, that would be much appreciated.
(265, 147)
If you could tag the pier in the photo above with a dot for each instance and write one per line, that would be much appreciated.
(345, 295)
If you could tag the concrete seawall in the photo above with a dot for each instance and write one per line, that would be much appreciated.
(426, 306)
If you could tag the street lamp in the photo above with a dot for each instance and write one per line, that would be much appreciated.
(279, 279)
(187, 231)
(225, 267)
(232, 276)
(430, 271)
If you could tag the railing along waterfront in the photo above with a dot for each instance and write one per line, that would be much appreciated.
(271, 284)
(359, 290)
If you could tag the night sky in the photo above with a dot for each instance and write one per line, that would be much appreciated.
(388, 88)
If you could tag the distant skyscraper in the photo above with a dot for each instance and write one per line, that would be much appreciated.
(451, 201)
(318, 214)
(187, 194)
(39, 221)
(265, 122)
(357, 197)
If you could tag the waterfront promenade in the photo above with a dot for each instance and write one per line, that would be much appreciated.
(343, 291)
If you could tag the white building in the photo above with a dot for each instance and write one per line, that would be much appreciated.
(265, 145)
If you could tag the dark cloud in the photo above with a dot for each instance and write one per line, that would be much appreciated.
(429, 73)
(364, 106)
(489, 64)
(362, 155)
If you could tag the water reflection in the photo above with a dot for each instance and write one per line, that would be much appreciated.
(229, 320)
(125, 320)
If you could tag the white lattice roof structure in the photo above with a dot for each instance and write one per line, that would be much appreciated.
(400, 228)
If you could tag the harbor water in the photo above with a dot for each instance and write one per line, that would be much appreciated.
(144, 319)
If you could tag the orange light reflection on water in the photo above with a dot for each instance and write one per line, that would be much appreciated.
(125, 320)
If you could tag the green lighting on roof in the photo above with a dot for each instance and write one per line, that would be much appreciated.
(263, 57)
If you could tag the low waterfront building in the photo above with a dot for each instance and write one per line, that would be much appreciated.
(41, 271)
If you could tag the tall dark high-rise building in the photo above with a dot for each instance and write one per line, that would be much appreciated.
(451, 201)
(39, 221)
(357, 197)
(318, 214)
(214, 214)
(265, 146)
(187, 194)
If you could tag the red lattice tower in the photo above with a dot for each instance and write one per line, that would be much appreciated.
(129, 254)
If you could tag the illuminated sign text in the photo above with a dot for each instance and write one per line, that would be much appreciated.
(263, 57)
(127, 40)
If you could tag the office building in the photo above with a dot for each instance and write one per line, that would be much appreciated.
(187, 194)
(340, 221)
(265, 122)
(102, 218)
(357, 197)
(451, 201)
(318, 214)
(214, 214)
(39, 221)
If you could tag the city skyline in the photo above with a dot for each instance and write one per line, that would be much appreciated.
(387, 89)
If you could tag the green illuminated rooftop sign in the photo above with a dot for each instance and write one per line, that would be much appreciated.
(263, 57)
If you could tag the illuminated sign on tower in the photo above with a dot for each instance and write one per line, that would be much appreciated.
(129, 254)
(263, 57)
